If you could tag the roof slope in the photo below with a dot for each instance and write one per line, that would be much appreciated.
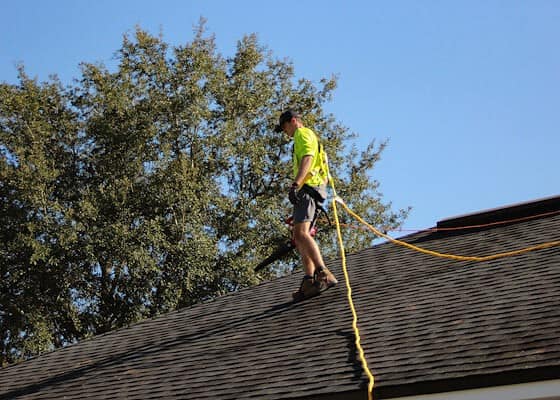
(425, 322)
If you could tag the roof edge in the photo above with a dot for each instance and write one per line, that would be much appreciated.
(481, 381)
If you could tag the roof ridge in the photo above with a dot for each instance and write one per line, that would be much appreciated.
(503, 214)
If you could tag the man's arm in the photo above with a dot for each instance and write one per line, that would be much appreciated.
(304, 168)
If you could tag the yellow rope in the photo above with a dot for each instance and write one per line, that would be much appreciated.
(450, 256)
(349, 288)
(336, 200)
(351, 302)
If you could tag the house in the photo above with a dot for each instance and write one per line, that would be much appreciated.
(431, 328)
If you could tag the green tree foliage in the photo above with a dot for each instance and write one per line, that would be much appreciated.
(154, 186)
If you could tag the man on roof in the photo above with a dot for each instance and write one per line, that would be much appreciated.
(307, 191)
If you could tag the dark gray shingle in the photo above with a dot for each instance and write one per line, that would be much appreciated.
(425, 322)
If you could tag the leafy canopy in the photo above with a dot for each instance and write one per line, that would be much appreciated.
(155, 186)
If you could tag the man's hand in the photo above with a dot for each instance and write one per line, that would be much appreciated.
(293, 195)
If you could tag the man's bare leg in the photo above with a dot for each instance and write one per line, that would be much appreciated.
(308, 248)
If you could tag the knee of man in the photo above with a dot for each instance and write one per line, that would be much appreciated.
(301, 232)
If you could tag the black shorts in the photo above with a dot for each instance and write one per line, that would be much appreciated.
(304, 210)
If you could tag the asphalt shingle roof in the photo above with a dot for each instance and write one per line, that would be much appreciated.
(424, 321)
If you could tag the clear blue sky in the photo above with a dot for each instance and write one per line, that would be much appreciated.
(467, 92)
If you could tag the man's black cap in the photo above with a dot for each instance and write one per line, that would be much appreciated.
(285, 117)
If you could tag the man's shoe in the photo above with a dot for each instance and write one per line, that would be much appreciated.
(309, 287)
(325, 278)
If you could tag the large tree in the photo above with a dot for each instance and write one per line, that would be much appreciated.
(155, 185)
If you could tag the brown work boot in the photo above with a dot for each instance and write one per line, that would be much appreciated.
(309, 287)
(325, 278)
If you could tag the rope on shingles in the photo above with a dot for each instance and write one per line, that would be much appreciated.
(357, 338)
(377, 232)
(352, 308)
